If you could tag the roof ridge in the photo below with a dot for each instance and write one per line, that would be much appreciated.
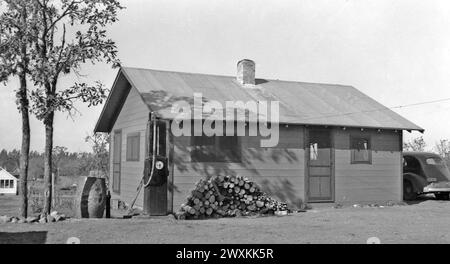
(229, 76)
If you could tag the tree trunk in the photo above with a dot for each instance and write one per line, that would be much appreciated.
(23, 101)
(25, 150)
(48, 122)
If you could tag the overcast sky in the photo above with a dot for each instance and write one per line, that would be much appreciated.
(397, 52)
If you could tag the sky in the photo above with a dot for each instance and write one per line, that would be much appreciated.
(397, 52)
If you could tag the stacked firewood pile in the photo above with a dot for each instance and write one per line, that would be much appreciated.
(228, 196)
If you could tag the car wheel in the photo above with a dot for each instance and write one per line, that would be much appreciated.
(442, 196)
(408, 191)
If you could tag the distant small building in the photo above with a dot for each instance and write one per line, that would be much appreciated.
(8, 183)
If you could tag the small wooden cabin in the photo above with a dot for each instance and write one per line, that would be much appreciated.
(8, 183)
(336, 144)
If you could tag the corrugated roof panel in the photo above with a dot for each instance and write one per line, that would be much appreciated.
(300, 103)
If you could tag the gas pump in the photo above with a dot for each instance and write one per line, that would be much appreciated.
(156, 169)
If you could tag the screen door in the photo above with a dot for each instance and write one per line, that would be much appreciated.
(320, 166)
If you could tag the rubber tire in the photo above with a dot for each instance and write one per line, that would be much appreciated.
(442, 196)
(408, 191)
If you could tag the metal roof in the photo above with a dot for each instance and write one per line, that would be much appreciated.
(299, 102)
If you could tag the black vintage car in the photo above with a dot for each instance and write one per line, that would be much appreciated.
(423, 173)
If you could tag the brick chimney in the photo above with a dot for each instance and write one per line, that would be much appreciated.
(246, 72)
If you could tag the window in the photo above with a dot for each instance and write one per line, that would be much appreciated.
(117, 160)
(2, 183)
(133, 146)
(7, 184)
(215, 149)
(11, 184)
(434, 161)
(360, 150)
(313, 151)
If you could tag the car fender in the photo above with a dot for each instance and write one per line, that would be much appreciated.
(417, 181)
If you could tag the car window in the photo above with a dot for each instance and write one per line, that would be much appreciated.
(434, 161)
(411, 162)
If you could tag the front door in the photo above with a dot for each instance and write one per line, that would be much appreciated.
(320, 187)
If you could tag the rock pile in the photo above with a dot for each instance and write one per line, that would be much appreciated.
(43, 218)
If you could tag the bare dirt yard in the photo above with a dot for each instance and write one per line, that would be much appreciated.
(425, 221)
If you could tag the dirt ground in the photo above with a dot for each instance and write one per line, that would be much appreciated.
(425, 221)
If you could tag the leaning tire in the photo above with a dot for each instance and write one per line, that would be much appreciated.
(408, 191)
(442, 196)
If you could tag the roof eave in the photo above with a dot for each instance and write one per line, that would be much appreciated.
(98, 127)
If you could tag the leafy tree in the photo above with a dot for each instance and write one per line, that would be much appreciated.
(416, 144)
(17, 22)
(3, 157)
(59, 155)
(58, 54)
(36, 169)
(100, 150)
(10, 160)
(443, 148)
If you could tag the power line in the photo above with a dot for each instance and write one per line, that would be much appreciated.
(381, 109)
(422, 103)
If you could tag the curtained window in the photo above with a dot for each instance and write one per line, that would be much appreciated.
(360, 150)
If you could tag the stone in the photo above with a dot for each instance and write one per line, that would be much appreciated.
(5, 219)
(54, 214)
(50, 219)
(59, 218)
(32, 219)
(14, 220)
(43, 220)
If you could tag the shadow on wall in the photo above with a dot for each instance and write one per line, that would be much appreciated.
(34, 237)
(281, 189)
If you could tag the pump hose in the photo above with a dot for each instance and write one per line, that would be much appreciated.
(146, 184)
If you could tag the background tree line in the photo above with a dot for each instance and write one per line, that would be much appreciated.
(70, 163)
(442, 147)
(65, 163)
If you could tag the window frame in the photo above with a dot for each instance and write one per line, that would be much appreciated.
(130, 155)
(368, 138)
(117, 159)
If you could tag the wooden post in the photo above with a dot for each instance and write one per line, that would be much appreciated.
(108, 205)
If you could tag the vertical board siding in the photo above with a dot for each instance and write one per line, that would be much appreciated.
(278, 170)
(132, 118)
(379, 181)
